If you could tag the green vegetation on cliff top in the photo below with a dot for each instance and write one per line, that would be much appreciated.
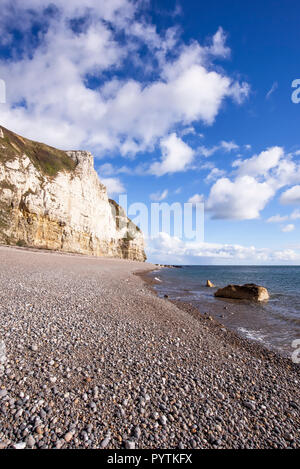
(46, 159)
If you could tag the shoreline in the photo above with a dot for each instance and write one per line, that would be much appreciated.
(94, 359)
(233, 337)
(265, 324)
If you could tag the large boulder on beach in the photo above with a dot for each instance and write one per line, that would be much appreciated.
(249, 291)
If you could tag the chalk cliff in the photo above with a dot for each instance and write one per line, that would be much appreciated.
(53, 199)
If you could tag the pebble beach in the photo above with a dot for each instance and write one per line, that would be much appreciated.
(92, 358)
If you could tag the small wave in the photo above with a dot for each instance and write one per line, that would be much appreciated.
(253, 335)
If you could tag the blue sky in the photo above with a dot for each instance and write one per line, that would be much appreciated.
(177, 101)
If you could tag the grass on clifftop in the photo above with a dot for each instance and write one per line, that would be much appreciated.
(46, 159)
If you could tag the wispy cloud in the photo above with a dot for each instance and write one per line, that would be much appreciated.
(288, 228)
(224, 146)
(214, 174)
(277, 218)
(272, 89)
(196, 199)
(159, 196)
(295, 215)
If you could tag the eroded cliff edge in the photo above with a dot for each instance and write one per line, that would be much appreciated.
(54, 199)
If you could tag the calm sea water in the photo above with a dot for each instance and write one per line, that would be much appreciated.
(274, 324)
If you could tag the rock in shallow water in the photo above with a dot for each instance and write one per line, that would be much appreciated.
(209, 284)
(249, 291)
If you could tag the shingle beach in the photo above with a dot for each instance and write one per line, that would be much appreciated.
(92, 358)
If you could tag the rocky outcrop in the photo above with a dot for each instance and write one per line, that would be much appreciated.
(249, 291)
(53, 199)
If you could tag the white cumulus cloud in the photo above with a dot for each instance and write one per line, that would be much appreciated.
(291, 196)
(113, 185)
(242, 199)
(254, 182)
(176, 156)
(49, 97)
(260, 164)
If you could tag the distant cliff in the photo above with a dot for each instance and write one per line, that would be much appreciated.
(53, 199)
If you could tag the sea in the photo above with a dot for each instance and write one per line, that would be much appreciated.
(275, 324)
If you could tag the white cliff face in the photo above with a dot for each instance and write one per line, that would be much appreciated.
(69, 211)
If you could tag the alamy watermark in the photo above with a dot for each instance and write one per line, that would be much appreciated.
(2, 92)
(296, 94)
(183, 221)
